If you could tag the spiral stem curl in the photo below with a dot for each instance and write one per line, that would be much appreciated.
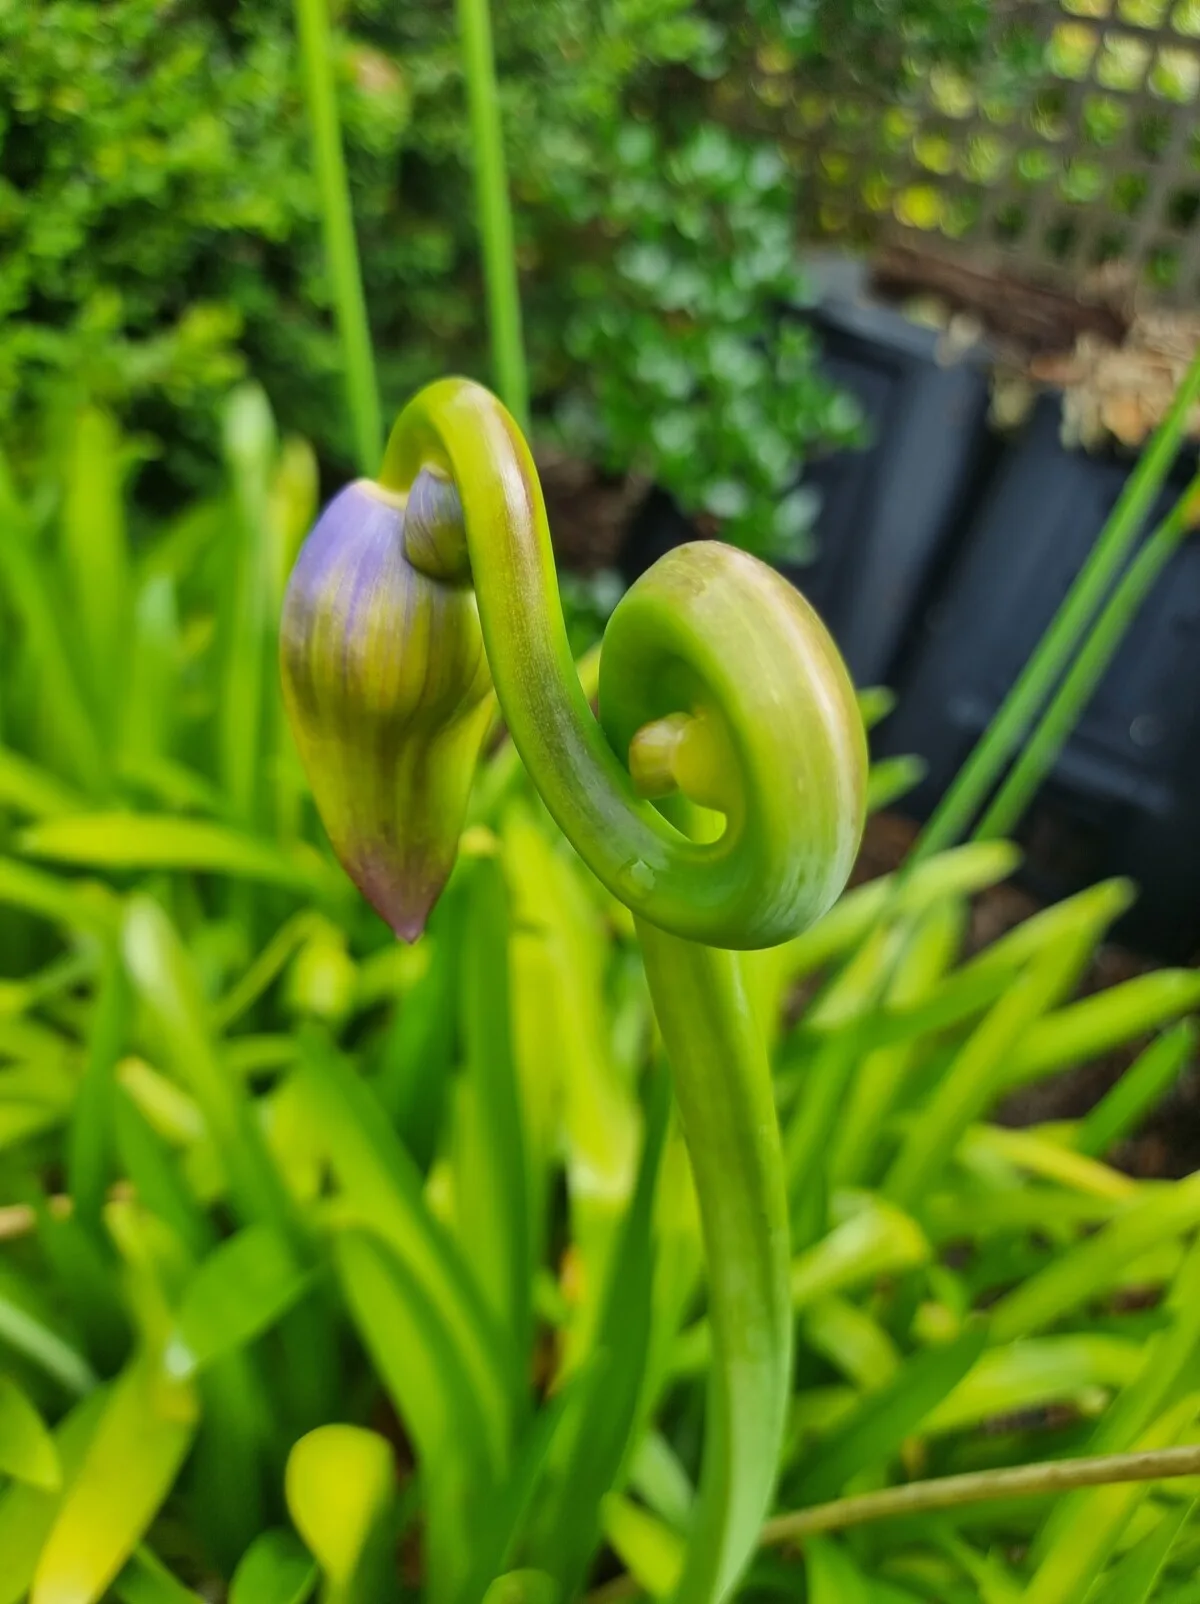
(718, 684)
(709, 630)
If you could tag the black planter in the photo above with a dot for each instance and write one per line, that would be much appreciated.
(1124, 797)
(888, 513)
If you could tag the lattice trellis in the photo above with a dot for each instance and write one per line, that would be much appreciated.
(1087, 154)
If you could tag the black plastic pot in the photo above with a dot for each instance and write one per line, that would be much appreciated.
(888, 513)
(1124, 797)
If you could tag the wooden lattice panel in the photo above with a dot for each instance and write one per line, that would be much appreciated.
(1075, 146)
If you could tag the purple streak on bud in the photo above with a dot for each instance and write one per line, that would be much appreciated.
(385, 683)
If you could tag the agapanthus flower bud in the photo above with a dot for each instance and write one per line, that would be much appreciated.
(385, 683)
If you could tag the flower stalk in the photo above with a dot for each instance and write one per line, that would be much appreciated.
(718, 686)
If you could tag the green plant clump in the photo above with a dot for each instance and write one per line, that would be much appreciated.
(160, 217)
(331, 1266)
(687, 372)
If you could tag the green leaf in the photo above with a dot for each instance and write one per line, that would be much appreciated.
(874, 1240)
(1031, 1375)
(1094, 1265)
(977, 1073)
(146, 1580)
(95, 551)
(974, 986)
(28, 789)
(808, 1133)
(661, 1481)
(341, 1494)
(246, 626)
(1133, 1579)
(157, 1178)
(878, 1079)
(651, 1551)
(238, 1292)
(63, 902)
(873, 1432)
(522, 1587)
(28, 1334)
(490, 1164)
(416, 1059)
(149, 701)
(432, 1395)
(833, 1577)
(960, 872)
(498, 1535)
(875, 702)
(599, 1439)
(891, 778)
(1087, 1525)
(69, 726)
(81, 1262)
(1101, 1022)
(130, 1465)
(381, 1192)
(159, 841)
(1139, 1090)
(90, 1134)
(573, 1093)
(851, 1341)
(275, 1569)
(27, 1514)
(27, 1451)
(165, 978)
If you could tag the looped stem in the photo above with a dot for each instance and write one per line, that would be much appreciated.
(716, 680)
(708, 631)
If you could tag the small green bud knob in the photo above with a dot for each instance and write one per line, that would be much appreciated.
(386, 686)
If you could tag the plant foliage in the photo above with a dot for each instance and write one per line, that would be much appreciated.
(263, 1261)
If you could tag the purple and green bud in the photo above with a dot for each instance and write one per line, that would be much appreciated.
(387, 687)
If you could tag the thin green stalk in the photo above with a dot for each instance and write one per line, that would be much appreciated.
(1041, 1480)
(1045, 1479)
(1017, 713)
(341, 250)
(723, 1086)
(721, 687)
(1097, 652)
(495, 213)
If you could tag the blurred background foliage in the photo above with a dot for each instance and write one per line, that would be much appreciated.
(251, 1181)
(217, 1067)
(159, 224)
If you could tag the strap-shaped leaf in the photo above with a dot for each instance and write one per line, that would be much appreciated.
(341, 1494)
(130, 1465)
(492, 1205)
(238, 1292)
(408, 1342)
(381, 1192)
(27, 1451)
(27, 1513)
(275, 1569)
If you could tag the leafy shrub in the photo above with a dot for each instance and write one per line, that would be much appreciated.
(249, 1189)
(160, 216)
(161, 230)
(686, 371)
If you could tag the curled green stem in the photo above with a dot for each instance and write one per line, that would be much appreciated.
(709, 631)
(718, 686)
